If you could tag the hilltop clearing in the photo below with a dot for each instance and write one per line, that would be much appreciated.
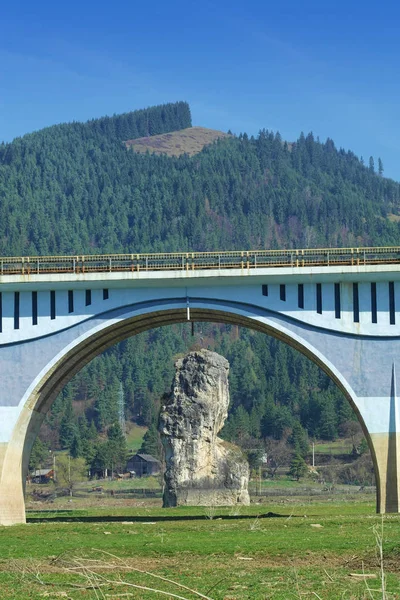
(189, 141)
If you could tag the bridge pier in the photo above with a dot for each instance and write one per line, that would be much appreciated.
(14, 462)
(385, 447)
(12, 504)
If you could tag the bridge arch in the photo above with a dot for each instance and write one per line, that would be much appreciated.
(116, 326)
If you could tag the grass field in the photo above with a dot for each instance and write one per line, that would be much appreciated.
(134, 437)
(334, 448)
(280, 550)
(137, 483)
(277, 486)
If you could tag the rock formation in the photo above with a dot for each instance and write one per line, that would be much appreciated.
(201, 469)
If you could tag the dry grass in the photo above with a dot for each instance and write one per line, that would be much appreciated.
(189, 141)
(393, 218)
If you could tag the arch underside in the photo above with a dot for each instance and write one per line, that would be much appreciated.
(73, 361)
(76, 358)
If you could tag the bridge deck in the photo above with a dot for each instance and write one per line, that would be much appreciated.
(191, 261)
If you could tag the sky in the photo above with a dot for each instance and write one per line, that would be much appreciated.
(327, 67)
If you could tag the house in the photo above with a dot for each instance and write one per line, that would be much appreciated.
(143, 464)
(42, 475)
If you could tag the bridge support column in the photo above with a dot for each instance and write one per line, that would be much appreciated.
(14, 461)
(381, 416)
(387, 472)
(12, 505)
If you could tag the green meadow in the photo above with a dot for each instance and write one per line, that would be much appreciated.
(285, 549)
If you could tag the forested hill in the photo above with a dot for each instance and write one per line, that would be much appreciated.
(77, 188)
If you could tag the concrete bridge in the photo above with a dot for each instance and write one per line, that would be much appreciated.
(339, 307)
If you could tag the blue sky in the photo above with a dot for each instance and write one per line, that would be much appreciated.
(327, 67)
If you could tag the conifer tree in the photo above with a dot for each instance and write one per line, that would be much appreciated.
(298, 439)
(151, 442)
(116, 448)
(76, 449)
(371, 164)
(298, 467)
(67, 426)
(39, 453)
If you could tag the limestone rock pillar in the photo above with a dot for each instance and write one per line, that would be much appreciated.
(201, 469)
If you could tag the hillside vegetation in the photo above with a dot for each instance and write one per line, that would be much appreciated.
(76, 188)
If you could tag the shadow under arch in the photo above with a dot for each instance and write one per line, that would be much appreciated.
(94, 343)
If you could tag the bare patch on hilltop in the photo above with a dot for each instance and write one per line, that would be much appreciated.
(189, 141)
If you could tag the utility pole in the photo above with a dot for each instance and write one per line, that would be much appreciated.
(313, 454)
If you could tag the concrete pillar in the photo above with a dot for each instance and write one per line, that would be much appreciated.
(14, 461)
(385, 447)
(382, 420)
(12, 503)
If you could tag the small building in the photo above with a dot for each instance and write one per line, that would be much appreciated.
(42, 475)
(143, 464)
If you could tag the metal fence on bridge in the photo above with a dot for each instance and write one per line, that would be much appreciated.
(192, 261)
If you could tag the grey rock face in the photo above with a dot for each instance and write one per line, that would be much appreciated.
(201, 469)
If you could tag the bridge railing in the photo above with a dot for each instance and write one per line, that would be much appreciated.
(189, 261)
